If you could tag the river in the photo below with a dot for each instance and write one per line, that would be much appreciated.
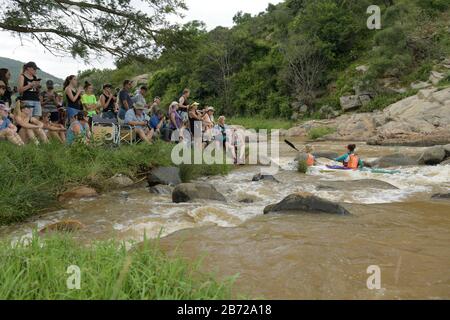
(307, 256)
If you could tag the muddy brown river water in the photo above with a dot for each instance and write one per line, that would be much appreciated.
(303, 256)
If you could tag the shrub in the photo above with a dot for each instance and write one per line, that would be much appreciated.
(319, 132)
(302, 167)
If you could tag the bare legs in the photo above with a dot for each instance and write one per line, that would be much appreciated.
(145, 134)
(11, 136)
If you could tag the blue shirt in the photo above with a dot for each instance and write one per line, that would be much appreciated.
(154, 121)
(131, 116)
(5, 124)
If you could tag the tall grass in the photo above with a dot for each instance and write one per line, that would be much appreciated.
(32, 177)
(37, 270)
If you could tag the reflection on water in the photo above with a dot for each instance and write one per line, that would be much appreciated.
(304, 256)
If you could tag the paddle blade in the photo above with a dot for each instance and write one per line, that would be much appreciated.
(291, 145)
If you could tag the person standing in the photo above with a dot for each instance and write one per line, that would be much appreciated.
(72, 94)
(108, 102)
(183, 104)
(88, 100)
(154, 108)
(125, 100)
(29, 86)
(6, 97)
(50, 102)
(139, 98)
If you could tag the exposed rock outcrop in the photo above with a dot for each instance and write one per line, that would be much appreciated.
(186, 192)
(355, 185)
(164, 176)
(395, 160)
(78, 193)
(306, 202)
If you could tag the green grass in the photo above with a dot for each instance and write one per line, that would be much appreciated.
(33, 176)
(37, 271)
(258, 123)
(319, 132)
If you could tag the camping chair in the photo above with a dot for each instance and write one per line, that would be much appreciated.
(127, 134)
(106, 130)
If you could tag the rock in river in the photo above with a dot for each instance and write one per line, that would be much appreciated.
(355, 185)
(63, 226)
(164, 176)
(441, 196)
(395, 160)
(78, 193)
(305, 202)
(432, 156)
(259, 177)
(186, 192)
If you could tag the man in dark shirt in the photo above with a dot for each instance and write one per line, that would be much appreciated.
(125, 100)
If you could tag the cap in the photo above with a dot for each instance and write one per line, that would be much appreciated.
(210, 109)
(49, 83)
(31, 64)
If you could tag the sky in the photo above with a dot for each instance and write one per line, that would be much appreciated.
(213, 12)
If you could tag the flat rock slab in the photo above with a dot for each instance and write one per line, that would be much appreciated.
(395, 160)
(355, 185)
(186, 192)
(306, 203)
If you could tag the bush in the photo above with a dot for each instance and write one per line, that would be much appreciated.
(319, 132)
(302, 167)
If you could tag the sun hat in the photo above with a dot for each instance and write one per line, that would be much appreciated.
(210, 109)
(139, 106)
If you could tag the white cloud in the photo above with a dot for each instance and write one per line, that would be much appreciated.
(212, 12)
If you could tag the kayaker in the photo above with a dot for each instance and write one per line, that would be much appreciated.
(351, 160)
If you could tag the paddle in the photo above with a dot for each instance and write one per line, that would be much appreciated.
(290, 144)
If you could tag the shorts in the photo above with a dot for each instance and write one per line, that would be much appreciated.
(37, 109)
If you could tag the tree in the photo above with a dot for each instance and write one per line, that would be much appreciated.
(118, 27)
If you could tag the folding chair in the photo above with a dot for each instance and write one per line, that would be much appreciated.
(106, 130)
(126, 133)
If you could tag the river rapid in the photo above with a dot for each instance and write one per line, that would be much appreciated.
(303, 256)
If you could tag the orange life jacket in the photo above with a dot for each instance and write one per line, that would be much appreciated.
(310, 160)
(353, 161)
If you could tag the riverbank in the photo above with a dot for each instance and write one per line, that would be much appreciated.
(33, 176)
(107, 271)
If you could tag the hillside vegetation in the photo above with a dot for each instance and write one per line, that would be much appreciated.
(15, 67)
(297, 58)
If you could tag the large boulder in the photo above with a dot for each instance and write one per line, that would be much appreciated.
(350, 102)
(78, 193)
(306, 202)
(433, 156)
(395, 160)
(447, 150)
(186, 192)
(355, 185)
(161, 189)
(120, 181)
(164, 176)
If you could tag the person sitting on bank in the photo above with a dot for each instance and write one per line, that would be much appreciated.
(51, 102)
(157, 123)
(108, 102)
(351, 160)
(54, 130)
(8, 130)
(136, 118)
(88, 100)
(29, 128)
(79, 129)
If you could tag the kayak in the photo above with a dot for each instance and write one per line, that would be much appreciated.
(371, 170)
